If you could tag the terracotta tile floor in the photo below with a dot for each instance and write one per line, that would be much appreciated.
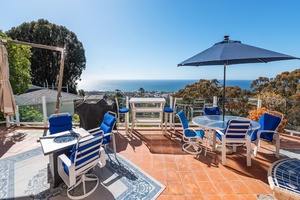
(198, 177)
(185, 176)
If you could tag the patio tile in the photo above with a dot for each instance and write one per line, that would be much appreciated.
(191, 187)
(223, 187)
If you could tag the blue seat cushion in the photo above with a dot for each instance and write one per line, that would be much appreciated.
(267, 122)
(168, 110)
(190, 133)
(211, 111)
(60, 123)
(123, 110)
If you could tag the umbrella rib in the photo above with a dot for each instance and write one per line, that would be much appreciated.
(261, 60)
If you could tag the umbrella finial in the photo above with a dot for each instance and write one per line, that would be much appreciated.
(226, 37)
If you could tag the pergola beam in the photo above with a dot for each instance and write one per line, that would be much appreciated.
(62, 61)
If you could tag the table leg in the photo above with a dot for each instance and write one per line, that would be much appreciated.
(214, 139)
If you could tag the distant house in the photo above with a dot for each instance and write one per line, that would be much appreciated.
(33, 98)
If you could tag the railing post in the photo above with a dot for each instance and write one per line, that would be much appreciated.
(127, 114)
(18, 116)
(258, 103)
(44, 111)
(171, 106)
(215, 101)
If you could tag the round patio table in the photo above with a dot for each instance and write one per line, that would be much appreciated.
(215, 122)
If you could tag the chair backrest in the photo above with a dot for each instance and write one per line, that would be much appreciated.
(60, 122)
(268, 122)
(183, 119)
(85, 154)
(211, 111)
(108, 124)
(237, 128)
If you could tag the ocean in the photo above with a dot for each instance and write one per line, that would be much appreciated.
(150, 85)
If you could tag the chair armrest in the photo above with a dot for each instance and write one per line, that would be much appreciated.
(220, 132)
(102, 161)
(268, 131)
(95, 131)
(69, 180)
(92, 130)
(64, 159)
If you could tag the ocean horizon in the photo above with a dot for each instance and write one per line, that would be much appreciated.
(150, 85)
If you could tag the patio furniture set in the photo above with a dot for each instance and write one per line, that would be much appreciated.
(63, 140)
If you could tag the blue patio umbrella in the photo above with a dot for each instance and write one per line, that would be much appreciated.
(228, 52)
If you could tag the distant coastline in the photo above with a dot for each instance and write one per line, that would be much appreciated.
(150, 85)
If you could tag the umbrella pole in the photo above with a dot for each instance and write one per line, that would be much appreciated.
(224, 88)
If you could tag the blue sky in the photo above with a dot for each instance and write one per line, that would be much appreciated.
(146, 39)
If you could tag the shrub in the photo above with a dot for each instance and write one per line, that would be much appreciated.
(28, 114)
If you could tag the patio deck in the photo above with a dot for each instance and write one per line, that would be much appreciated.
(185, 176)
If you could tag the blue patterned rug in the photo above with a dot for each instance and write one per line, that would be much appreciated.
(26, 176)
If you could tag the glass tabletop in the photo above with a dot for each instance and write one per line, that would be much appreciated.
(216, 121)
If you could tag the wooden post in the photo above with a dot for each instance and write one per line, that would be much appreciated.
(61, 73)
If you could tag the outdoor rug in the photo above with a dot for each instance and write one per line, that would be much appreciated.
(26, 176)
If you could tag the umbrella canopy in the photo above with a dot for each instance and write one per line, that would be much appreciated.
(7, 100)
(233, 52)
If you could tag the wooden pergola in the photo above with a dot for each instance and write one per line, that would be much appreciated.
(62, 61)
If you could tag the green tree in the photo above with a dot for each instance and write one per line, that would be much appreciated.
(201, 89)
(45, 64)
(19, 65)
(285, 84)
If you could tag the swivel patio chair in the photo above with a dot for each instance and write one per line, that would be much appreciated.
(191, 137)
(106, 128)
(269, 122)
(235, 134)
(60, 122)
(124, 111)
(86, 154)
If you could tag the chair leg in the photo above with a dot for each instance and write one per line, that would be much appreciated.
(256, 143)
(206, 147)
(187, 145)
(223, 150)
(277, 147)
(83, 179)
(248, 149)
(166, 123)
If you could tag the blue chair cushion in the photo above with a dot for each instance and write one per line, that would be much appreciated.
(168, 110)
(123, 110)
(190, 133)
(183, 119)
(211, 111)
(60, 123)
(107, 126)
(267, 122)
